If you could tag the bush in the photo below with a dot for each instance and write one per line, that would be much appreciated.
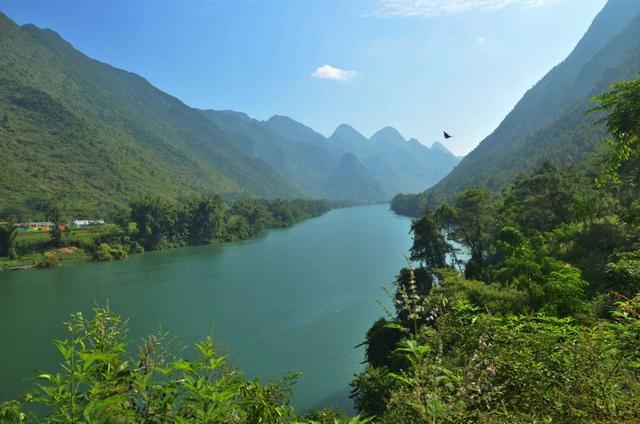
(50, 259)
(474, 367)
(105, 252)
(136, 247)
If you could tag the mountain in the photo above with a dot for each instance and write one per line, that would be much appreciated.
(349, 176)
(550, 123)
(92, 136)
(377, 169)
(402, 166)
(349, 139)
(301, 156)
(83, 133)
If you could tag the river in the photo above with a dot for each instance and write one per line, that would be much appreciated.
(298, 299)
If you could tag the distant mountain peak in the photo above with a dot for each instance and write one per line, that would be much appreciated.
(284, 122)
(280, 119)
(437, 146)
(347, 131)
(388, 134)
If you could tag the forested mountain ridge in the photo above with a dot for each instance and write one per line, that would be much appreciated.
(551, 123)
(87, 134)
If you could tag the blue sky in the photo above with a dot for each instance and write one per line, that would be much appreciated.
(422, 66)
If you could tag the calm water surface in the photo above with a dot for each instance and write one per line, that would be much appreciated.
(297, 299)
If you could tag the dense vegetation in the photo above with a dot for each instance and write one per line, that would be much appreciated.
(523, 306)
(160, 224)
(92, 136)
(549, 124)
(154, 223)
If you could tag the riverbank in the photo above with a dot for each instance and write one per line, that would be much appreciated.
(32, 248)
(154, 224)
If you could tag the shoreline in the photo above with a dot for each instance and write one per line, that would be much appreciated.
(71, 254)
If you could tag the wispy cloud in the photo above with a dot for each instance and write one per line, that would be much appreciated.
(331, 73)
(481, 40)
(426, 8)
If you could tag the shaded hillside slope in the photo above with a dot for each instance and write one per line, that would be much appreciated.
(90, 135)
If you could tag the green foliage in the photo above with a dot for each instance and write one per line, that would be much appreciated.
(470, 222)
(624, 273)
(105, 252)
(430, 247)
(473, 367)
(542, 200)
(153, 223)
(93, 137)
(564, 293)
(531, 332)
(161, 224)
(8, 235)
(622, 104)
(49, 259)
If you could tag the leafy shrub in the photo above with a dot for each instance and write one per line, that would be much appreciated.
(99, 383)
(472, 367)
(50, 259)
(105, 252)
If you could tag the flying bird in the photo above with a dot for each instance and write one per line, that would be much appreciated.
(446, 135)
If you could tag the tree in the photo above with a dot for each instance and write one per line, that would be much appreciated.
(207, 220)
(430, 247)
(622, 103)
(54, 215)
(8, 235)
(121, 218)
(564, 292)
(155, 219)
(470, 222)
(542, 200)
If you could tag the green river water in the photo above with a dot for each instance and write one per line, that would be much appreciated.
(297, 299)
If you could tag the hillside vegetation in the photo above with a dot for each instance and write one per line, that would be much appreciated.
(523, 306)
(94, 136)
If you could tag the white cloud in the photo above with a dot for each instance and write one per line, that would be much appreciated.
(481, 40)
(426, 8)
(336, 74)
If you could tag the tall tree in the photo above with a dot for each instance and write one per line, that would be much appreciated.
(542, 200)
(8, 235)
(623, 106)
(430, 246)
(54, 215)
(207, 220)
(470, 222)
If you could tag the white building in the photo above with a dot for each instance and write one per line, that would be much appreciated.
(83, 223)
